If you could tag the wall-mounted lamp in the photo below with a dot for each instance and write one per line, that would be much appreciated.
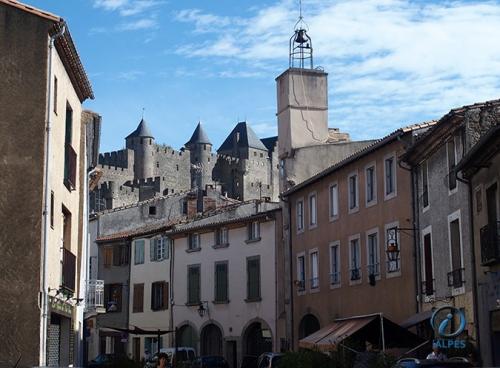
(201, 308)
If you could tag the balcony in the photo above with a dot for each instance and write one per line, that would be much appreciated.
(374, 269)
(355, 274)
(428, 287)
(490, 243)
(301, 284)
(70, 162)
(94, 295)
(68, 271)
(314, 282)
(456, 278)
(335, 278)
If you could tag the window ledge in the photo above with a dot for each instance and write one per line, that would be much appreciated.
(390, 275)
(193, 304)
(221, 301)
(390, 196)
(193, 250)
(458, 291)
(253, 240)
(218, 246)
(333, 218)
(353, 210)
(253, 300)
(159, 309)
(314, 290)
(371, 203)
(335, 286)
(313, 226)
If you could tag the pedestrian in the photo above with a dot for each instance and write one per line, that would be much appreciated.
(436, 353)
(162, 360)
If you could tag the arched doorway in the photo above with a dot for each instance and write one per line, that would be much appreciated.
(257, 339)
(308, 325)
(211, 340)
(186, 336)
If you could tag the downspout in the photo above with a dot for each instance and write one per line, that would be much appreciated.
(473, 261)
(416, 232)
(172, 255)
(44, 291)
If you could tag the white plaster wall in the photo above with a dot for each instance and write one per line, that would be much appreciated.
(71, 200)
(147, 273)
(234, 316)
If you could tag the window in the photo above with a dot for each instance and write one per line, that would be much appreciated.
(371, 185)
(52, 209)
(194, 241)
(355, 259)
(151, 344)
(428, 282)
(373, 254)
(334, 200)
(152, 210)
(314, 270)
(353, 192)
(221, 282)
(312, 210)
(335, 263)
(253, 278)
(390, 177)
(113, 297)
(301, 273)
(55, 94)
(66, 228)
(221, 236)
(425, 185)
(108, 256)
(300, 215)
(194, 284)
(138, 301)
(455, 277)
(254, 231)
(451, 151)
(139, 252)
(159, 248)
(70, 160)
(159, 295)
(392, 240)
(120, 255)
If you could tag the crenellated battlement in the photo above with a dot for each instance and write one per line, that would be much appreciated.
(120, 159)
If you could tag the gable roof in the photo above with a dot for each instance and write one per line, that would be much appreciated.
(142, 130)
(199, 136)
(65, 48)
(359, 154)
(246, 138)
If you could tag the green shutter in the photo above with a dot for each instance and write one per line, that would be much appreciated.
(194, 284)
(221, 282)
(253, 279)
(152, 249)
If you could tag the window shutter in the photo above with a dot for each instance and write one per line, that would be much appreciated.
(253, 279)
(165, 295)
(106, 295)
(168, 242)
(152, 249)
(118, 297)
(138, 298)
(116, 255)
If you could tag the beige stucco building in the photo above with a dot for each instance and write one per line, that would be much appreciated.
(42, 201)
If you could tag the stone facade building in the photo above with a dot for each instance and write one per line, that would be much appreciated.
(244, 167)
(443, 218)
(43, 132)
(480, 167)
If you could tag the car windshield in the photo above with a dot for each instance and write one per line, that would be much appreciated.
(101, 358)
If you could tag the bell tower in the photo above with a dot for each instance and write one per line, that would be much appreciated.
(302, 95)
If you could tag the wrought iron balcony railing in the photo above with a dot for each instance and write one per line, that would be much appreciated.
(94, 295)
(335, 278)
(374, 269)
(428, 287)
(456, 278)
(490, 243)
(355, 274)
(314, 282)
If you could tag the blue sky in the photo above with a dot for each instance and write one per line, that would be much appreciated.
(390, 62)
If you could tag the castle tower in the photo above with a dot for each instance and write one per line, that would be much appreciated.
(302, 95)
(141, 141)
(200, 149)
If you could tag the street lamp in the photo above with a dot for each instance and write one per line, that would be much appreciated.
(392, 245)
(201, 309)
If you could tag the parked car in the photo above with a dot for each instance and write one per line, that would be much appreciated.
(249, 361)
(110, 360)
(456, 362)
(210, 361)
(269, 360)
(185, 354)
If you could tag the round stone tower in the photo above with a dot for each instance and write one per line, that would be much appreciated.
(200, 149)
(142, 142)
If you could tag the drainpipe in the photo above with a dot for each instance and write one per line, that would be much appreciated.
(473, 261)
(44, 291)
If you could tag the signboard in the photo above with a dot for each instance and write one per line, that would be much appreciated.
(448, 323)
(61, 307)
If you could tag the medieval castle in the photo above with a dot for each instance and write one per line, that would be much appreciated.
(244, 167)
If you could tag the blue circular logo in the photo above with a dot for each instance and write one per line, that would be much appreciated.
(441, 324)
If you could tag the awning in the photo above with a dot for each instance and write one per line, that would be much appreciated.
(417, 318)
(373, 328)
(326, 338)
(140, 331)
